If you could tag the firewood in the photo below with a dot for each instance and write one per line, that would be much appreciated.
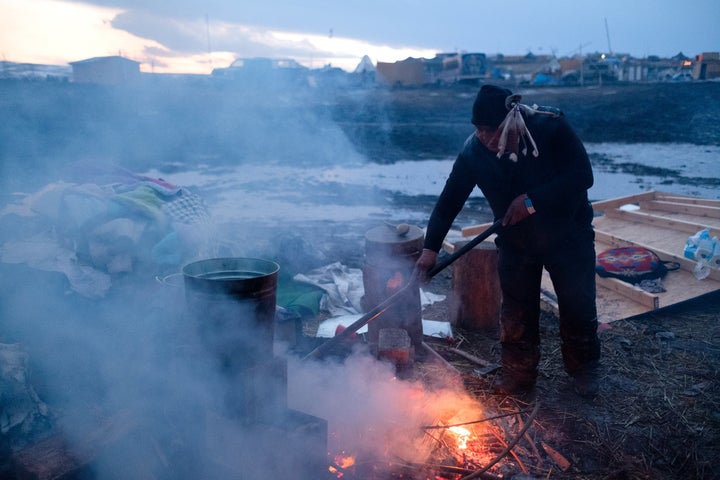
(472, 358)
(556, 457)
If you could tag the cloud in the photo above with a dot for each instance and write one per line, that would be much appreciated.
(317, 32)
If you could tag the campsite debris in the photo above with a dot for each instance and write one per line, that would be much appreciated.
(556, 457)
(94, 233)
(21, 410)
(472, 358)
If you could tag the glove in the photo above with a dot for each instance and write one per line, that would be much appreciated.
(424, 264)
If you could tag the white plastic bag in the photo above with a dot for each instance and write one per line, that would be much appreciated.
(705, 250)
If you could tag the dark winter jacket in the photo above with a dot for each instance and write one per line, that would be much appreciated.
(556, 182)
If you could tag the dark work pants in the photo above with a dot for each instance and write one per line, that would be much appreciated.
(572, 271)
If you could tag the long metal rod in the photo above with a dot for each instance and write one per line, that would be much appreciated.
(466, 248)
(388, 302)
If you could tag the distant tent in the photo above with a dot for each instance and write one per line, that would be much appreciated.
(365, 65)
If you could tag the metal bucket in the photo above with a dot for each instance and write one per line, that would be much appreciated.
(233, 301)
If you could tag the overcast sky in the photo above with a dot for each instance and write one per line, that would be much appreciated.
(195, 36)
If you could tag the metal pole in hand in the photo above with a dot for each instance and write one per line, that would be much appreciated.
(465, 248)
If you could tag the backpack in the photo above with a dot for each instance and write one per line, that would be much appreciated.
(632, 264)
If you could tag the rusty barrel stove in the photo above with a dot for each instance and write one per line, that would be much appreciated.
(390, 256)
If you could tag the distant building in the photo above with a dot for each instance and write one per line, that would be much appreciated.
(34, 71)
(524, 68)
(590, 69)
(106, 70)
(460, 67)
(263, 71)
(406, 73)
(707, 66)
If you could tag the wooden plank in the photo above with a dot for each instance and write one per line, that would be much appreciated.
(640, 216)
(611, 305)
(473, 230)
(680, 285)
(650, 236)
(689, 200)
(449, 246)
(685, 263)
(662, 223)
(636, 294)
(702, 210)
(620, 201)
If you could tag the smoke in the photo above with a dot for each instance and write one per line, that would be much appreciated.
(86, 285)
(374, 416)
(132, 389)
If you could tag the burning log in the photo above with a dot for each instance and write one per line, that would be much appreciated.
(511, 444)
(440, 472)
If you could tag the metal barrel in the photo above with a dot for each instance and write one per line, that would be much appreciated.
(233, 301)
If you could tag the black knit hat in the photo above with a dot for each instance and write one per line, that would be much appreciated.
(489, 107)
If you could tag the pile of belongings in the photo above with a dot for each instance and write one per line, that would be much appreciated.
(119, 223)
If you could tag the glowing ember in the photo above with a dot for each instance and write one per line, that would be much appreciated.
(345, 462)
(395, 282)
(342, 462)
(462, 435)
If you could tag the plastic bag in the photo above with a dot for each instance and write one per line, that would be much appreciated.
(705, 250)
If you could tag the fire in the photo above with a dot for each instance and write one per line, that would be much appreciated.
(345, 462)
(462, 436)
(341, 463)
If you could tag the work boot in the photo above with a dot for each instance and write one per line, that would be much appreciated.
(586, 384)
(510, 386)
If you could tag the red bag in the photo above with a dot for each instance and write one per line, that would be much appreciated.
(632, 264)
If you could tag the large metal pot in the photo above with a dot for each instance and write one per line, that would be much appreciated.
(233, 301)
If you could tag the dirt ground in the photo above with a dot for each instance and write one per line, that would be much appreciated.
(656, 416)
